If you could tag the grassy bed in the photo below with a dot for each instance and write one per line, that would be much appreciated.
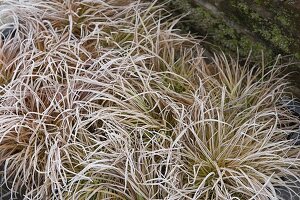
(106, 100)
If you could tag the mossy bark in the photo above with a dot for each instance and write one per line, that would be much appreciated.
(268, 26)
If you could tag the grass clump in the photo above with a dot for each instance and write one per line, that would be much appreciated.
(105, 100)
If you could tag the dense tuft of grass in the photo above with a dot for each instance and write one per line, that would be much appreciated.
(105, 100)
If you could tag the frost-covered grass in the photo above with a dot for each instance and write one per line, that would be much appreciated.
(105, 100)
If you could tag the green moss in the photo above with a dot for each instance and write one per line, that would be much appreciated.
(202, 22)
(280, 40)
(284, 20)
(270, 23)
(265, 26)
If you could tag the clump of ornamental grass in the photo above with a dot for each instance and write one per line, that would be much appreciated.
(106, 100)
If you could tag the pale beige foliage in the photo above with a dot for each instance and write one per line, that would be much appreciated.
(106, 100)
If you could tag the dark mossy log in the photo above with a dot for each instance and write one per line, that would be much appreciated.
(268, 26)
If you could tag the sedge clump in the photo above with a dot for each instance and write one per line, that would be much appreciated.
(106, 100)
